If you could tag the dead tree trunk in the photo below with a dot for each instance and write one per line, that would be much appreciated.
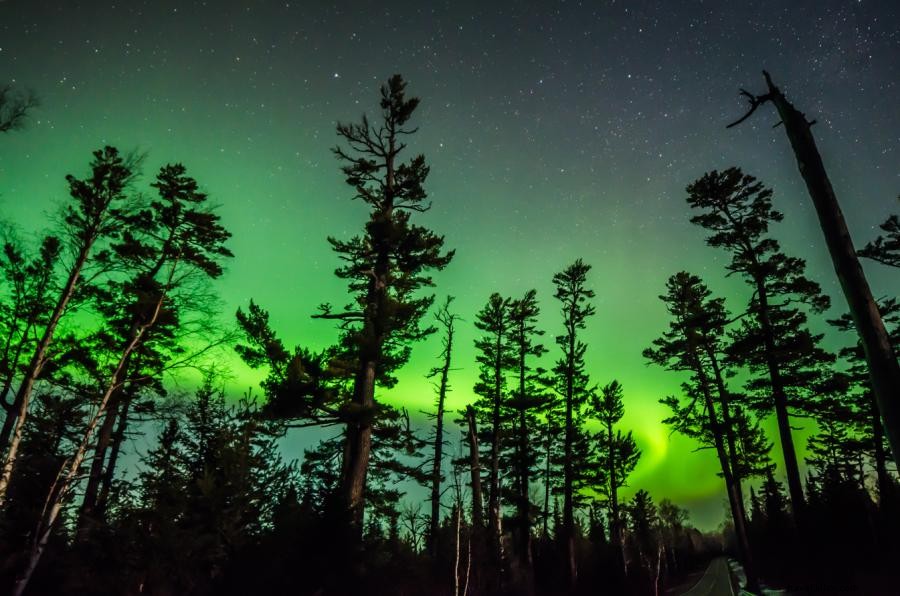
(475, 471)
(447, 320)
(884, 370)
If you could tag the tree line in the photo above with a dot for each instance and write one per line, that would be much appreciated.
(120, 293)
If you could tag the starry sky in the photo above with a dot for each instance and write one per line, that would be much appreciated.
(555, 130)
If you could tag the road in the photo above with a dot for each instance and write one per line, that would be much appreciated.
(715, 582)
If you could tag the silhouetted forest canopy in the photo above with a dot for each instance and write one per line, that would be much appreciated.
(131, 464)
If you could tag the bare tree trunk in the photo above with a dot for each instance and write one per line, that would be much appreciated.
(475, 470)
(885, 484)
(36, 365)
(615, 522)
(737, 512)
(87, 515)
(496, 432)
(884, 370)
(546, 509)
(457, 515)
(524, 479)
(779, 398)
(568, 471)
(114, 449)
(728, 423)
(72, 467)
(439, 441)
(359, 447)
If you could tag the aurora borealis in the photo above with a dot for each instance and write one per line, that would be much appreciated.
(554, 131)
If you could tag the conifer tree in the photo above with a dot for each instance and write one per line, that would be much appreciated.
(617, 455)
(573, 390)
(885, 249)
(494, 357)
(180, 239)
(858, 403)
(737, 211)
(95, 213)
(386, 268)
(881, 356)
(526, 400)
(697, 323)
(26, 305)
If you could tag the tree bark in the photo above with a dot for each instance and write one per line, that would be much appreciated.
(496, 432)
(87, 515)
(475, 471)
(524, 504)
(737, 510)
(568, 471)
(884, 369)
(779, 398)
(615, 522)
(728, 423)
(115, 448)
(36, 365)
(438, 449)
(69, 472)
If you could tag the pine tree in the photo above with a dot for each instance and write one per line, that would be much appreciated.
(28, 301)
(385, 269)
(617, 455)
(182, 239)
(858, 404)
(737, 210)
(885, 249)
(494, 357)
(694, 333)
(881, 357)
(573, 390)
(527, 400)
(95, 213)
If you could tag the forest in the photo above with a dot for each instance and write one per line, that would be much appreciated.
(120, 293)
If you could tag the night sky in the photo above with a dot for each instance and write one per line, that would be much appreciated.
(555, 130)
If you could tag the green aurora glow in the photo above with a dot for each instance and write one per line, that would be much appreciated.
(534, 163)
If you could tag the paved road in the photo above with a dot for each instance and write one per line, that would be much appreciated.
(715, 582)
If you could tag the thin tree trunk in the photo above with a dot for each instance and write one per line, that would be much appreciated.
(11, 409)
(885, 484)
(568, 472)
(475, 471)
(115, 448)
(36, 365)
(546, 509)
(457, 515)
(87, 516)
(779, 398)
(737, 514)
(439, 447)
(728, 423)
(884, 369)
(496, 431)
(72, 468)
(524, 505)
(615, 522)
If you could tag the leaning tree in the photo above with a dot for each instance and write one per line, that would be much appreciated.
(884, 369)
